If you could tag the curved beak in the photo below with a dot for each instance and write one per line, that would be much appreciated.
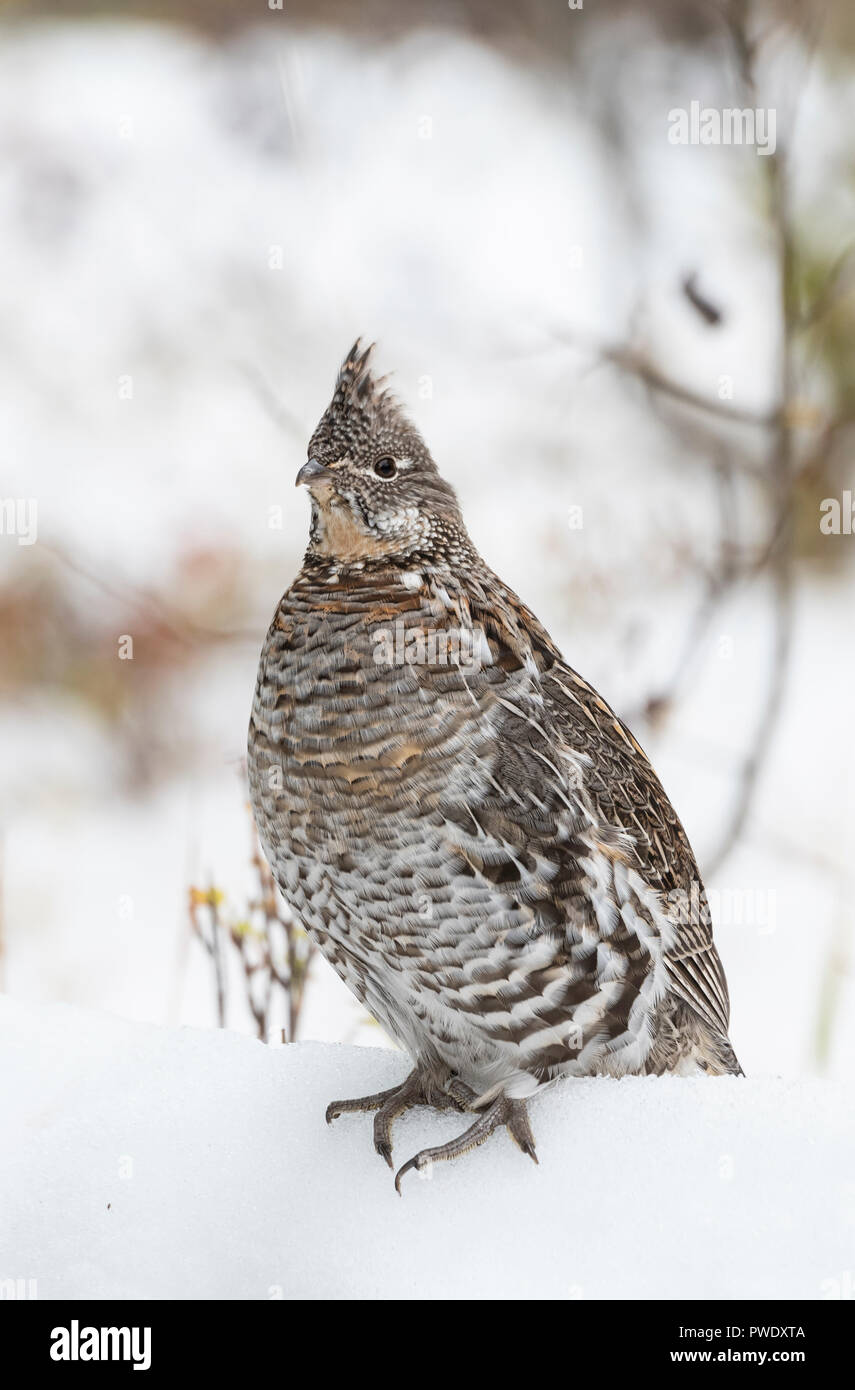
(312, 472)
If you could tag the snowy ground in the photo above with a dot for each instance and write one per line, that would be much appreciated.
(145, 1162)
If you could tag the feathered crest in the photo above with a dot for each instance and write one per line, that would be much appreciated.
(359, 393)
(364, 415)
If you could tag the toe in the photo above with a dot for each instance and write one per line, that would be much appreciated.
(417, 1161)
(384, 1148)
(519, 1128)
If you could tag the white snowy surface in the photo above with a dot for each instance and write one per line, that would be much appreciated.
(145, 1162)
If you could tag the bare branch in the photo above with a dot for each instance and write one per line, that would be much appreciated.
(179, 627)
(630, 360)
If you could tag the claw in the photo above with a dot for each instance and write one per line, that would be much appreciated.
(453, 1094)
(395, 1106)
(389, 1105)
(416, 1162)
(519, 1128)
(503, 1111)
(385, 1151)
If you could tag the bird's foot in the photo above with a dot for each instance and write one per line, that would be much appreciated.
(415, 1090)
(511, 1113)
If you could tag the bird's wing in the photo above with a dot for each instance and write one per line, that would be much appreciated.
(628, 793)
(617, 780)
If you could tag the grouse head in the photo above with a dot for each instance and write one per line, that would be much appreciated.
(376, 492)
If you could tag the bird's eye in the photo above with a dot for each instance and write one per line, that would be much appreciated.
(385, 468)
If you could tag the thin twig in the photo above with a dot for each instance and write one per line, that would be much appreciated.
(211, 942)
(179, 627)
(780, 468)
(634, 363)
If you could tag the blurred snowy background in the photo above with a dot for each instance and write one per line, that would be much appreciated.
(633, 358)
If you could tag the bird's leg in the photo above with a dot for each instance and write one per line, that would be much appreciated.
(503, 1111)
(415, 1090)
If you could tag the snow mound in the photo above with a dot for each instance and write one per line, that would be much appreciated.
(145, 1162)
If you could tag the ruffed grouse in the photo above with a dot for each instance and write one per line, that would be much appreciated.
(474, 839)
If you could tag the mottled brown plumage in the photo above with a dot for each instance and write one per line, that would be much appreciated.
(475, 840)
